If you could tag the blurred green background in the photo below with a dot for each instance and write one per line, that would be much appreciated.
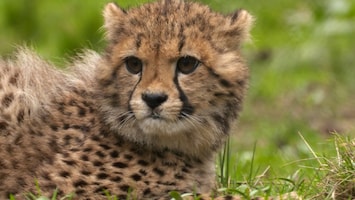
(301, 59)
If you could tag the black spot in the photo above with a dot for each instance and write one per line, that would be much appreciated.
(235, 16)
(184, 169)
(21, 181)
(143, 162)
(212, 103)
(160, 154)
(81, 112)
(225, 83)
(61, 107)
(218, 118)
(84, 158)
(102, 176)
(69, 162)
(138, 151)
(197, 160)
(178, 154)
(114, 99)
(128, 157)
(179, 176)
(143, 172)
(182, 38)
(64, 174)
(169, 164)
(7, 100)
(139, 40)
(228, 197)
(98, 163)
(80, 183)
(158, 171)
(136, 177)
(80, 191)
(3, 125)
(114, 154)
(166, 183)
(222, 122)
(13, 79)
(116, 179)
(100, 154)
(104, 146)
(219, 94)
(119, 165)
(188, 165)
(66, 126)
(119, 141)
(232, 32)
(101, 190)
(125, 188)
(234, 106)
(67, 138)
(20, 116)
(147, 191)
(52, 143)
(74, 149)
(86, 173)
(81, 92)
(84, 128)
(53, 127)
(95, 138)
(222, 81)
(88, 149)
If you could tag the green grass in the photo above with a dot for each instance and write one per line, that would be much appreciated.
(320, 176)
(302, 81)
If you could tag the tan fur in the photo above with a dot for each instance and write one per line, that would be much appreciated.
(88, 128)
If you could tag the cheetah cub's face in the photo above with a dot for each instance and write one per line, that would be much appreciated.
(173, 72)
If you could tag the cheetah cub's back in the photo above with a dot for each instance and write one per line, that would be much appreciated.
(143, 119)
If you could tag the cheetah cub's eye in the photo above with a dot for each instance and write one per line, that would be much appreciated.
(187, 64)
(133, 65)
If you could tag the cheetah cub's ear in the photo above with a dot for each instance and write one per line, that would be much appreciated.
(112, 15)
(236, 28)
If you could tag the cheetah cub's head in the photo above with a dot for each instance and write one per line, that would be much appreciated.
(173, 76)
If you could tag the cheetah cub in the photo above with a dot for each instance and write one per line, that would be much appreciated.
(142, 119)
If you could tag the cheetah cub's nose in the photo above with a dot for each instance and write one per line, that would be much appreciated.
(154, 100)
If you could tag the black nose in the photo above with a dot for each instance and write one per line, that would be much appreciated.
(154, 100)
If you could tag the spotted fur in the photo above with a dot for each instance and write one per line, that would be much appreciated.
(98, 127)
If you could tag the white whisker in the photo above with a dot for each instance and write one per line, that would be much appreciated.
(195, 121)
(127, 117)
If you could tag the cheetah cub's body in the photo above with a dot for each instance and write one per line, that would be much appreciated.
(144, 119)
